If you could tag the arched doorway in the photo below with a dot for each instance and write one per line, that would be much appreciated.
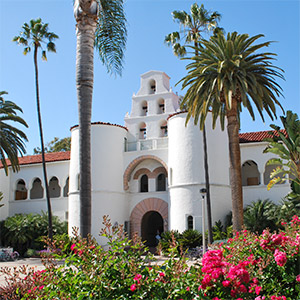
(152, 223)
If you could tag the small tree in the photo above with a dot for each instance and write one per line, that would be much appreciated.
(56, 145)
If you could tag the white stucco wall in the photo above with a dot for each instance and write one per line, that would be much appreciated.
(186, 171)
(28, 173)
(108, 197)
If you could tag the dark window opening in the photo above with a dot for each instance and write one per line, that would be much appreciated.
(144, 184)
(161, 183)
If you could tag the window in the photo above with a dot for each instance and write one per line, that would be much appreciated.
(21, 191)
(37, 191)
(54, 188)
(161, 183)
(163, 129)
(190, 222)
(250, 174)
(144, 184)
(144, 110)
(161, 106)
(66, 188)
(152, 86)
(143, 131)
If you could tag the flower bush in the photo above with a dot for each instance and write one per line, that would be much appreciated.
(248, 266)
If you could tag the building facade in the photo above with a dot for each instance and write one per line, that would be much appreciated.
(146, 174)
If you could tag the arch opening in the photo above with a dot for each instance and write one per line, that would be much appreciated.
(37, 190)
(250, 173)
(144, 184)
(54, 188)
(152, 224)
(21, 191)
(268, 170)
(161, 183)
(152, 86)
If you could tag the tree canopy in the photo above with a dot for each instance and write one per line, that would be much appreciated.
(56, 145)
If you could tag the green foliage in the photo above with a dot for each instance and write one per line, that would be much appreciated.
(260, 215)
(228, 72)
(169, 239)
(23, 231)
(56, 145)
(192, 27)
(248, 266)
(286, 145)
(111, 34)
(12, 139)
(190, 238)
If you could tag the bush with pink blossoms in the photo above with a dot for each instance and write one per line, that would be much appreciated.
(247, 267)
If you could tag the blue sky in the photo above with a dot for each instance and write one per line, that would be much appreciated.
(148, 23)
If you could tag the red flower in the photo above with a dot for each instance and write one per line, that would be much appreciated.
(133, 287)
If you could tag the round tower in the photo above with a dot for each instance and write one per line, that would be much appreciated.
(108, 197)
(187, 176)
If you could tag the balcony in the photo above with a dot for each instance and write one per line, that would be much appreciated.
(141, 145)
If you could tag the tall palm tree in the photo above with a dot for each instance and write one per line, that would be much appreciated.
(11, 138)
(225, 76)
(100, 24)
(192, 26)
(34, 35)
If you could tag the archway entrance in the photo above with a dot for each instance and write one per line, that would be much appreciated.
(152, 222)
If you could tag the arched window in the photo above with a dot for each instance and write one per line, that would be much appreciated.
(143, 132)
(66, 188)
(21, 191)
(250, 174)
(54, 188)
(268, 170)
(152, 86)
(161, 183)
(37, 191)
(144, 184)
(144, 108)
(161, 106)
(164, 129)
(190, 222)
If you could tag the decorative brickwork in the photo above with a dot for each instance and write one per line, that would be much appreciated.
(157, 171)
(134, 163)
(150, 204)
(140, 172)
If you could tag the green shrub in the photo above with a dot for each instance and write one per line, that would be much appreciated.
(190, 238)
(168, 238)
(24, 231)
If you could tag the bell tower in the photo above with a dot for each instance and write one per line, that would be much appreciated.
(150, 107)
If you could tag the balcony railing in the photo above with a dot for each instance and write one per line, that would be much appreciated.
(160, 143)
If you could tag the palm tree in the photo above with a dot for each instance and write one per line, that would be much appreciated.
(99, 24)
(225, 75)
(34, 35)
(193, 25)
(286, 145)
(11, 138)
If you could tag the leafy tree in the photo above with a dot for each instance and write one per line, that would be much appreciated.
(286, 145)
(11, 138)
(100, 24)
(34, 35)
(56, 145)
(226, 75)
(192, 26)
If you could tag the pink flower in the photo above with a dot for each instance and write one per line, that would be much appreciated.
(298, 278)
(226, 283)
(280, 257)
(258, 289)
(133, 287)
(137, 278)
(73, 247)
(162, 274)
(187, 288)
(41, 287)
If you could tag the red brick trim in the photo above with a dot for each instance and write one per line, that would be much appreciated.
(150, 204)
(102, 123)
(141, 171)
(134, 163)
(159, 170)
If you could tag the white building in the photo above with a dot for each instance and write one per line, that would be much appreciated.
(146, 174)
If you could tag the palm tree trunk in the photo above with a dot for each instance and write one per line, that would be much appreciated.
(50, 228)
(235, 167)
(85, 31)
(208, 203)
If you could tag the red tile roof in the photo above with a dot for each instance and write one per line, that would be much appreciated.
(259, 136)
(102, 123)
(37, 159)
